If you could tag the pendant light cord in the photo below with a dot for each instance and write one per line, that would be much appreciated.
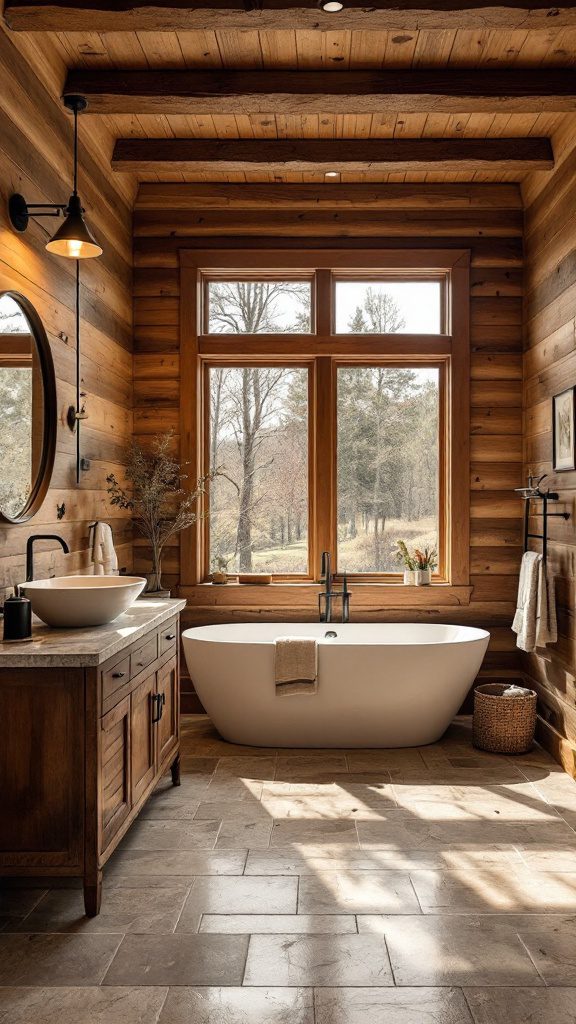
(77, 370)
(75, 150)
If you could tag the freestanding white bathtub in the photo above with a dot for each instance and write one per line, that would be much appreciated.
(379, 685)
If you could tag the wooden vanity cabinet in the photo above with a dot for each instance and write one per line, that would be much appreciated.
(83, 750)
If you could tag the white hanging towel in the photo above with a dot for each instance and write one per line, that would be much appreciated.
(546, 626)
(104, 558)
(525, 619)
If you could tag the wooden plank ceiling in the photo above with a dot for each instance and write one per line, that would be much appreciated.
(538, 104)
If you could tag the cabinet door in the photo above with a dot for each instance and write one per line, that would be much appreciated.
(168, 691)
(143, 736)
(116, 797)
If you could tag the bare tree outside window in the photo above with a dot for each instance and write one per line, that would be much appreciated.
(259, 439)
(259, 307)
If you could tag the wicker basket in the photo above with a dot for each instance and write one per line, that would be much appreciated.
(503, 725)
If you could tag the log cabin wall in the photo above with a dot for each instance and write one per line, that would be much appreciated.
(487, 219)
(550, 367)
(36, 160)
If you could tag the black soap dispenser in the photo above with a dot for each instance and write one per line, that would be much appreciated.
(17, 618)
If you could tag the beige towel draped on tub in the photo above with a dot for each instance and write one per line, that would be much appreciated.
(296, 665)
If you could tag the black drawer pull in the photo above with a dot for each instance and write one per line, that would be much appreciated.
(170, 636)
(118, 675)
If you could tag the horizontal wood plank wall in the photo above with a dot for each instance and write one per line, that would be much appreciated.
(550, 367)
(489, 222)
(36, 160)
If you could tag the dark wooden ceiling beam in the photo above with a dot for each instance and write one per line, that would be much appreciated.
(344, 155)
(324, 92)
(384, 15)
(464, 196)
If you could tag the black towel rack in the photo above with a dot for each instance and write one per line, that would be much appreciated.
(533, 492)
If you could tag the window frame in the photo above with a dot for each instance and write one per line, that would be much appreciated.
(324, 351)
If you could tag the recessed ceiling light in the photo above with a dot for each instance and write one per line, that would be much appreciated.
(331, 6)
(331, 174)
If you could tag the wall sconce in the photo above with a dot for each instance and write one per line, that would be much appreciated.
(74, 241)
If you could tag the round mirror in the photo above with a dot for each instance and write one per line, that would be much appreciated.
(27, 409)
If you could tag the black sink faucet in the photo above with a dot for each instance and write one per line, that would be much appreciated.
(30, 550)
(325, 598)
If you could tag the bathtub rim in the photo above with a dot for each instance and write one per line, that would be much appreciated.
(202, 634)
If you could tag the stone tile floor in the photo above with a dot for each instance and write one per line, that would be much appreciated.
(425, 886)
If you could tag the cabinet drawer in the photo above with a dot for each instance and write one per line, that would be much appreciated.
(114, 679)
(144, 655)
(167, 638)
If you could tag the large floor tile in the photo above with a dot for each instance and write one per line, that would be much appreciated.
(317, 960)
(252, 768)
(454, 950)
(293, 767)
(17, 901)
(522, 1005)
(340, 805)
(151, 834)
(385, 892)
(123, 910)
(238, 1006)
(413, 834)
(294, 832)
(81, 1005)
(177, 802)
(264, 924)
(232, 810)
(179, 960)
(227, 789)
(552, 945)
(401, 759)
(55, 959)
(236, 834)
(494, 890)
(304, 861)
(391, 1006)
(246, 895)
(161, 864)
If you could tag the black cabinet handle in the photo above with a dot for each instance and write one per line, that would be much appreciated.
(170, 636)
(118, 675)
(158, 702)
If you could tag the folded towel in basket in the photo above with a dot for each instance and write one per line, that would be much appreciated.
(296, 665)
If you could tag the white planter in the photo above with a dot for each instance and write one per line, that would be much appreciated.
(423, 577)
(409, 577)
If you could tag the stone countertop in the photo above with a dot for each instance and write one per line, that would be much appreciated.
(79, 648)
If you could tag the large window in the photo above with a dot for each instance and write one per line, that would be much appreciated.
(329, 399)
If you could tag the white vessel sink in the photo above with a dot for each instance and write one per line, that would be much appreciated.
(75, 601)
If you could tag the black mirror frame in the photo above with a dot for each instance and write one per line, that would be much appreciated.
(44, 474)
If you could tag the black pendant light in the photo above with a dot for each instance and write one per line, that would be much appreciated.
(73, 240)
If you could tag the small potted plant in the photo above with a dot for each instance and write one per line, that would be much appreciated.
(426, 562)
(156, 496)
(219, 570)
(409, 563)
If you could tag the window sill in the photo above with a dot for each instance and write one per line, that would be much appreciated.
(303, 596)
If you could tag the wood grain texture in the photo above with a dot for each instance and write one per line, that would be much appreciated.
(233, 15)
(35, 154)
(321, 92)
(210, 156)
(550, 367)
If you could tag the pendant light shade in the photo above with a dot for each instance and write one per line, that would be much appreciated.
(74, 239)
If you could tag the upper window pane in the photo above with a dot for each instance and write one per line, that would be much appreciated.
(259, 441)
(388, 307)
(388, 465)
(258, 307)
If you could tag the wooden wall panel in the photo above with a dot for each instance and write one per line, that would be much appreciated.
(36, 159)
(550, 367)
(491, 227)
